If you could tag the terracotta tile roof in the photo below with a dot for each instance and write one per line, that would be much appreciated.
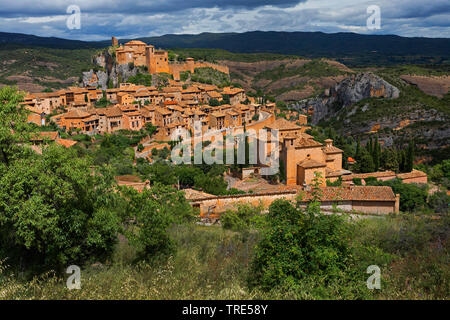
(334, 174)
(92, 117)
(309, 163)
(218, 114)
(378, 174)
(76, 114)
(188, 96)
(192, 89)
(142, 93)
(303, 142)
(214, 94)
(207, 87)
(171, 89)
(356, 193)
(232, 91)
(33, 110)
(283, 124)
(135, 42)
(113, 112)
(191, 194)
(332, 149)
(66, 142)
(163, 111)
(50, 135)
(133, 113)
(128, 108)
(413, 174)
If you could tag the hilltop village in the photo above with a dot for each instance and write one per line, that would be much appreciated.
(178, 105)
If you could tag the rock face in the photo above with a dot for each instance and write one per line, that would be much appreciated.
(347, 92)
(110, 72)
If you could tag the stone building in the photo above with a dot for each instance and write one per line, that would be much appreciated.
(303, 158)
(376, 200)
(157, 61)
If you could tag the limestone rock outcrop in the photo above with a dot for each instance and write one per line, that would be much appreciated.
(108, 72)
(347, 92)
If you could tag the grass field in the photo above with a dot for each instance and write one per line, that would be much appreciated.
(212, 263)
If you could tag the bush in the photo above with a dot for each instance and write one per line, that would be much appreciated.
(336, 183)
(55, 212)
(413, 197)
(245, 217)
(299, 245)
(150, 214)
(439, 202)
(141, 79)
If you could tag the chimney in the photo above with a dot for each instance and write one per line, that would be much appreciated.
(328, 143)
(289, 141)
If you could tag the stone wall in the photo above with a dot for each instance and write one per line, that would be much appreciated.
(176, 68)
(214, 206)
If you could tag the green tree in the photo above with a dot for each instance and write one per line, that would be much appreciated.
(364, 163)
(149, 214)
(214, 102)
(244, 218)
(14, 129)
(376, 154)
(389, 160)
(211, 183)
(151, 129)
(358, 148)
(409, 163)
(55, 212)
(299, 245)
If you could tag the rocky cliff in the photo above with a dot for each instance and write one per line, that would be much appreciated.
(347, 92)
(109, 73)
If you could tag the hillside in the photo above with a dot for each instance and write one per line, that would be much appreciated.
(350, 48)
(47, 42)
(414, 114)
(36, 69)
(421, 111)
(288, 79)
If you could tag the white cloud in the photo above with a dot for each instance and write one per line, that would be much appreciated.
(130, 19)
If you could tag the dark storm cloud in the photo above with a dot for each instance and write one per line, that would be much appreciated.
(138, 18)
(54, 7)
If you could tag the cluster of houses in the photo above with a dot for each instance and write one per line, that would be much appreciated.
(131, 107)
(180, 105)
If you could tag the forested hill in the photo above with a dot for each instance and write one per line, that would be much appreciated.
(28, 40)
(350, 48)
(316, 44)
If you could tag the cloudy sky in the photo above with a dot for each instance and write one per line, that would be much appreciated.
(138, 18)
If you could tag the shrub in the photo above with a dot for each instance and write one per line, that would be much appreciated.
(245, 217)
(298, 245)
(55, 212)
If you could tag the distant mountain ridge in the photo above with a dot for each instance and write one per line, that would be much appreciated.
(7, 38)
(309, 44)
(305, 43)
